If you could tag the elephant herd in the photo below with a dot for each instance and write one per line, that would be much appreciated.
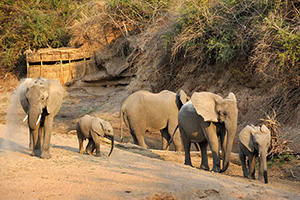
(205, 119)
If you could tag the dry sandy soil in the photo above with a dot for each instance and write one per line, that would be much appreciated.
(129, 173)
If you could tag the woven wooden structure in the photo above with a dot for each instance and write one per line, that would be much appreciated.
(62, 64)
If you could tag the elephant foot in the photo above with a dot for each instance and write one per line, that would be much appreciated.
(189, 164)
(204, 167)
(45, 155)
(36, 152)
(215, 170)
(98, 155)
(88, 152)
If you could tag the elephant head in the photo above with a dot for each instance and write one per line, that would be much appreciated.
(41, 97)
(104, 129)
(256, 138)
(214, 108)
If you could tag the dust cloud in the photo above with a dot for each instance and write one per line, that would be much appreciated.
(14, 121)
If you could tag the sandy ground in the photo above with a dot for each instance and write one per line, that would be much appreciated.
(129, 173)
(126, 174)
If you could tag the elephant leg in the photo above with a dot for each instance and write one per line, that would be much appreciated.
(138, 136)
(260, 169)
(243, 162)
(252, 166)
(80, 141)
(223, 140)
(204, 161)
(187, 148)
(96, 143)
(214, 146)
(177, 139)
(47, 137)
(90, 147)
(41, 136)
(165, 138)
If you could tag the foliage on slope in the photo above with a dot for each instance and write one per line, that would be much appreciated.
(33, 24)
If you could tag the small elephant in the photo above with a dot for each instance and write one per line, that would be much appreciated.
(92, 128)
(144, 111)
(41, 100)
(254, 141)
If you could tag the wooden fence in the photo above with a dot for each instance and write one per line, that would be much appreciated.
(63, 64)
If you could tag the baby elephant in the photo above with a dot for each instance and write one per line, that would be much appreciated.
(254, 141)
(92, 128)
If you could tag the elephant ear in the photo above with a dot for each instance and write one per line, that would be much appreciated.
(183, 97)
(22, 91)
(205, 105)
(97, 127)
(56, 94)
(265, 130)
(231, 96)
(245, 137)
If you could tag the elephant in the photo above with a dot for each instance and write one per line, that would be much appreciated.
(203, 120)
(254, 141)
(144, 111)
(41, 100)
(92, 128)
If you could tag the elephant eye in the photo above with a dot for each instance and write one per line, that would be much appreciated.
(224, 113)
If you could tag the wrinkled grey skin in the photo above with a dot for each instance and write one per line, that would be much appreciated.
(145, 111)
(41, 99)
(92, 128)
(254, 141)
(206, 119)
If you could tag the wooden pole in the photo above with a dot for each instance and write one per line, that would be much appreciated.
(41, 68)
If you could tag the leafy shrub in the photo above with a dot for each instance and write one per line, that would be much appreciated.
(262, 33)
(32, 24)
(277, 51)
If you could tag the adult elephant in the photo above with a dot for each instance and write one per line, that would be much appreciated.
(205, 119)
(145, 111)
(41, 100)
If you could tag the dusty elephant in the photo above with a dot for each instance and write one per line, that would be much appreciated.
(92, 128)
(205, 119)
(41, 99)
(254, 141)
(145, 111)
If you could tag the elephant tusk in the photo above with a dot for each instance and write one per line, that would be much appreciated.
(25, 118)
(38, 121)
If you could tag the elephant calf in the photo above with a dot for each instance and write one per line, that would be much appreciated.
(92, 128)
(254, 141)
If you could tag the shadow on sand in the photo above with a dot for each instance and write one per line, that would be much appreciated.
(7, 145)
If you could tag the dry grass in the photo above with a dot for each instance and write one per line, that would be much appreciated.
(277, 146)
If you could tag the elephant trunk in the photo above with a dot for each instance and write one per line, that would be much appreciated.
(263, 155)
(112, 144)
(230, 137)
(34, 118)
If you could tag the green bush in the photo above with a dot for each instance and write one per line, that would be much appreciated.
(32, 24)
(264, 34)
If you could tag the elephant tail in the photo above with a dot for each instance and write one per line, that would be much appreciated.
(121, 124)
(171, 139)
(123, 117)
